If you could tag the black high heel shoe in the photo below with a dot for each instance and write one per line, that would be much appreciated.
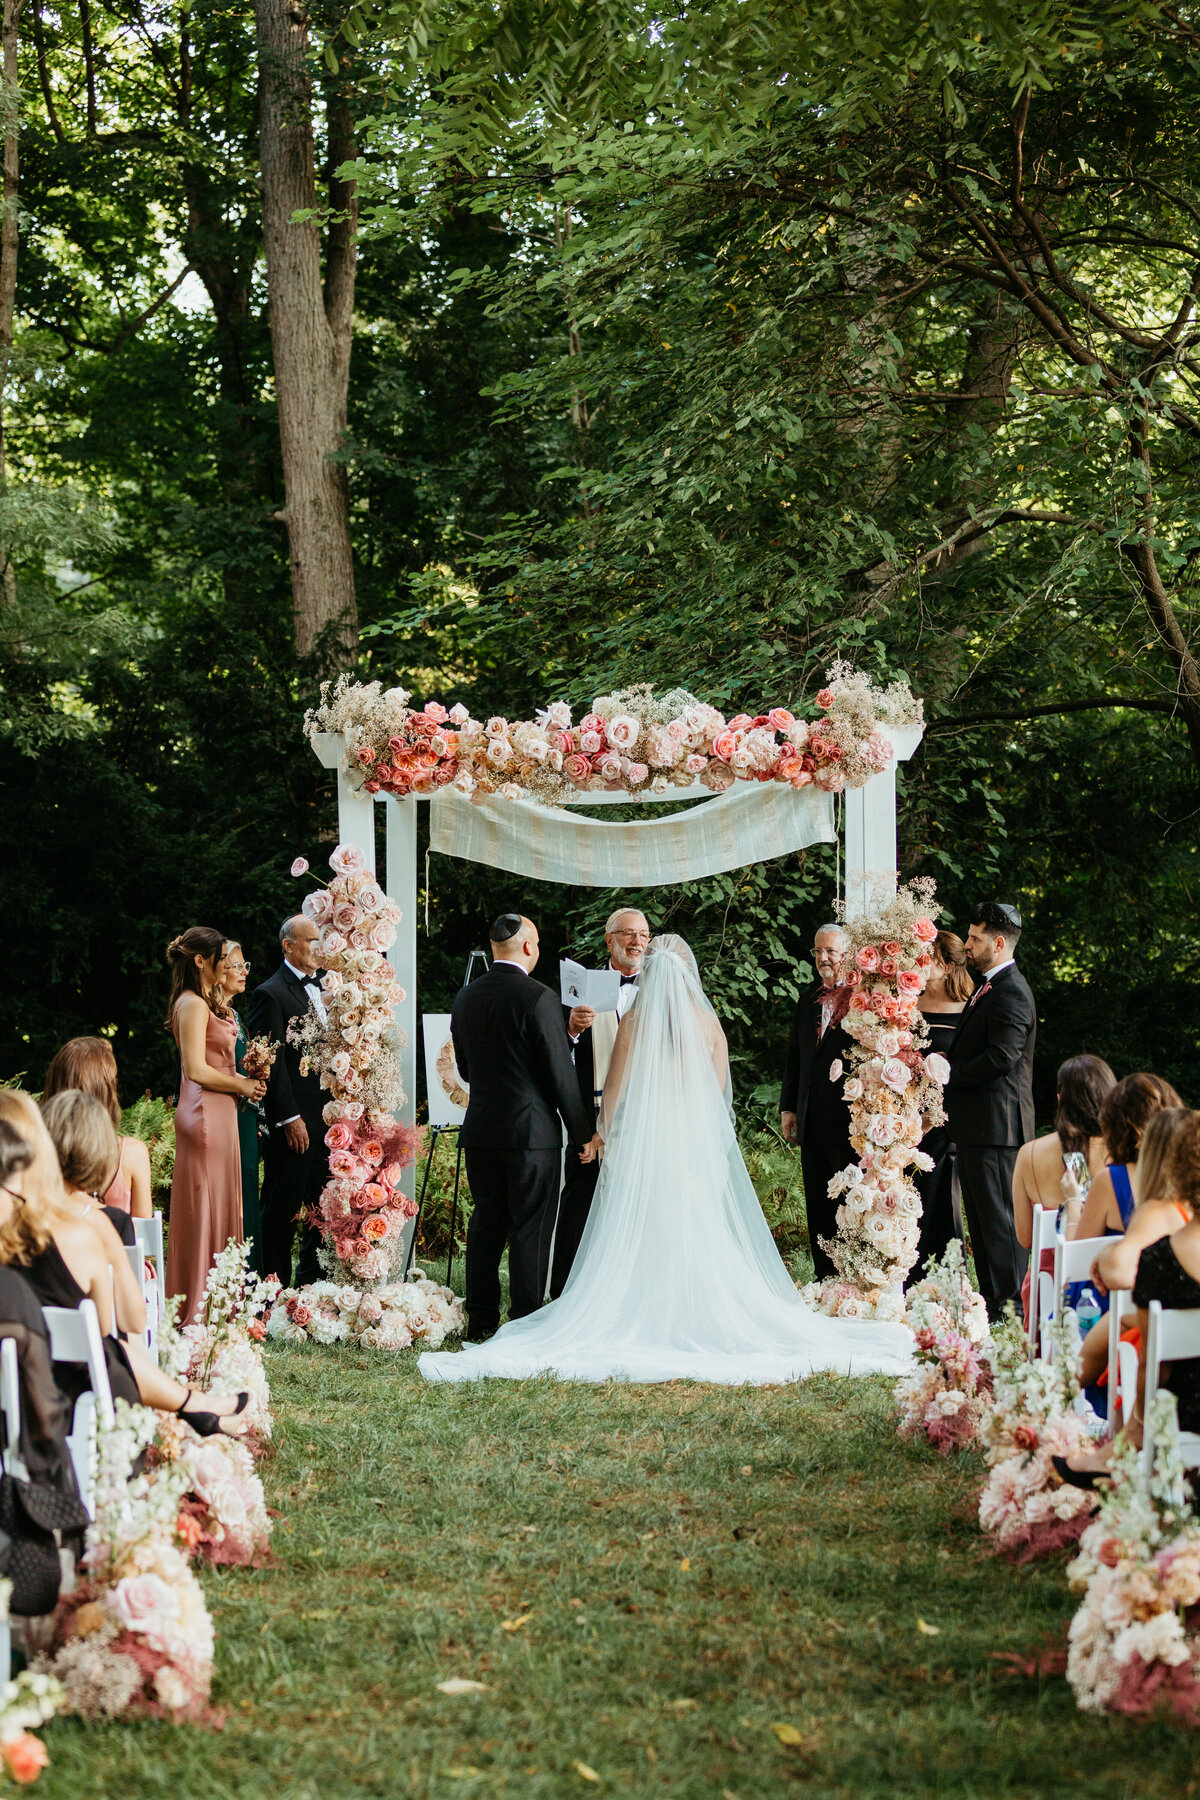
(208, 1424)
(1088, 1479)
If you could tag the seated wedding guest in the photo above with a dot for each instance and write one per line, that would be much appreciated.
(206, 1186)
(1069, 1158)
(1127, 1110)
(67, 1251)
(948, 987)
(88, 1063)
(1168, 1270)
(35, 1566)
(86, 1146)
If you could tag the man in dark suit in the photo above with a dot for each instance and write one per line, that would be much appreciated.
(813, 1111)
(989, 1099)
(297, 1165)
(511, 1045)
(627, 935)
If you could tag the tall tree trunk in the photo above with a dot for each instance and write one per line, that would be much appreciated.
(10, 110)
(310, 331)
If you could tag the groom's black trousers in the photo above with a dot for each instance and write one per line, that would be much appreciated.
(515, 1197)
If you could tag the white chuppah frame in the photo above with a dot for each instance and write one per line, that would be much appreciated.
(870, 862)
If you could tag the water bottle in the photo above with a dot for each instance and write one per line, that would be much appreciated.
(1087, 1310)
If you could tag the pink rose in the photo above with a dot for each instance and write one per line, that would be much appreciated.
(696, 765)
(833, 780)
(318, 907)
(498, 753)
(889, 967)
(371, 1152)
(371, 787)
(895, 1074)
(741, 722)
(883, 1129)
(301, 1314)
(436, 712)
(636, 773)
(591, 742)
(925, 930)
(718, 776)
(365, 755)
(591, 722)
(347, 859)
(339, 1137)
(445, 775)
(609, 766)
(341, 1162)
(835, 1069)
(439, 744)
(724, 745)
(396, 745)
(345, 916)
(147, 1606)
(910, 981)
(373, 1195)
(623, 731)
(892, 948)
(780, 719)
(853, 978)
(868, 958)
(937, 1069)
(300, 866)
(825, 699)
(496, 728)
(382, 936)
(576, 768)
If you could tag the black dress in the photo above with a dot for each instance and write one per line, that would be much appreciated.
(54, 1285)
(1161, 1277)
(936, 1186)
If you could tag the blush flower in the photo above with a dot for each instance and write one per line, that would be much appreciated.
(300, 866)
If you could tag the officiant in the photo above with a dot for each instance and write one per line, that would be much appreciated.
(627, 935)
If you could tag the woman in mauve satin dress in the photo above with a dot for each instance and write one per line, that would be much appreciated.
(206, 1188)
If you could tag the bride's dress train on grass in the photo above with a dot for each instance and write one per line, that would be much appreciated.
(677, 1276)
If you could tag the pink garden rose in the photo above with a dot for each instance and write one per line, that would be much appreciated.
(592, 722)
(780, 719)
(147, 1606)
(318, 907)
(895, 1074)
(868, 958)
(591, 742)
(636, 774)
(371, 1152)
(892, 948)
(883, 1129)
(924, 930)
(339, 1136)
(435, 712)
(718, 776)
(300, 866)
(825, 699)
(725, 744)
(910, 981)
(833, 780)
(445, 775)
(696, 765)
(889, 967)
(364, 755)
(608, 766)
(576, 768)
(347, 859)
(937, 1068)
(341, 1162)
(496, 728)
(624, 731)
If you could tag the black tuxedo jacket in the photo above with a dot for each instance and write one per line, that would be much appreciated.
(514, 1053)
(818, 1103)
(989, 1097)
(289, 1093)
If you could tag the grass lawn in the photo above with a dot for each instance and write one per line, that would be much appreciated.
(648, 1580)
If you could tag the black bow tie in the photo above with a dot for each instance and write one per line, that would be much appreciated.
(628, 980)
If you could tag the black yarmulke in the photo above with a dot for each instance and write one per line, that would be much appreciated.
(505, 927)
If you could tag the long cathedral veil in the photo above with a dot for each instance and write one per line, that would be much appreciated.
(677, 1274)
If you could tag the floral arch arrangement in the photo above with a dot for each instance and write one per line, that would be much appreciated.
(633, 741)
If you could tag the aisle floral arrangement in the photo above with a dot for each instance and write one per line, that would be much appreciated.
(1025, 1509)
(394, 1316)
(945, 1398)
(633, 741)
(894, 1089)
(1135, 1641)
(30, 1699)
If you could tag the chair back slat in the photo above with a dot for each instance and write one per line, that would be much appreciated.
(1173, 1336)
(1045, 1220)
(1118, 1299)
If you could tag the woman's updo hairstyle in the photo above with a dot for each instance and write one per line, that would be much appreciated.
(198, 940)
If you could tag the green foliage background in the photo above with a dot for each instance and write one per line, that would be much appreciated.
(668, 373)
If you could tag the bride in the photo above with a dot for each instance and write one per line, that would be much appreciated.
(677, 1275)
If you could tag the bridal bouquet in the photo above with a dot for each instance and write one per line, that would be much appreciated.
(258, 1058)
(1025, 1509)
(634, 739)
(1135, 1641)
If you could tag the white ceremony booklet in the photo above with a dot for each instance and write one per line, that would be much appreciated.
(598, 988)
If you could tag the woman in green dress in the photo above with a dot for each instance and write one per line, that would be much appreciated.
(231, 974)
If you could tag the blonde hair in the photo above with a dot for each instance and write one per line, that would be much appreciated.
(1153, 1173)
(30, 1227)
(82, 1133)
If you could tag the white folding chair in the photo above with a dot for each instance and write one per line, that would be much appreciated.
(75, 1338)
(148, 1287)
(10, 1406)
(1041, 1288)
(1073, 1259)
(1120, 1398)
(1174, 1336)
(150, 1243)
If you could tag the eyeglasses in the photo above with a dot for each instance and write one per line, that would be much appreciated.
(633, 937)
(238, 968)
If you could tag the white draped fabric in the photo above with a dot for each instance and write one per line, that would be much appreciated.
(750, 823)
(677, 1276)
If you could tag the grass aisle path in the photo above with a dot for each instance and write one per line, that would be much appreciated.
(647, 1580)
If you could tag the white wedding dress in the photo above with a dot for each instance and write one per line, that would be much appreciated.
(677, 1276)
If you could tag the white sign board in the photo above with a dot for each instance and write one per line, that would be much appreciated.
(445, 1087)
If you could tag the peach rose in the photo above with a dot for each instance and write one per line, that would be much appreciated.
(25, 1756)
(868, 958)
(825, 699)
(910, 981)
(725, 744)
(780, 719)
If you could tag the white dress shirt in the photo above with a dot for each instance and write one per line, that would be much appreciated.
(990, 975)
(317, 1002)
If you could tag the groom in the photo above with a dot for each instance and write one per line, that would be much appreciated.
(593, 1035)
(512, 1047)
